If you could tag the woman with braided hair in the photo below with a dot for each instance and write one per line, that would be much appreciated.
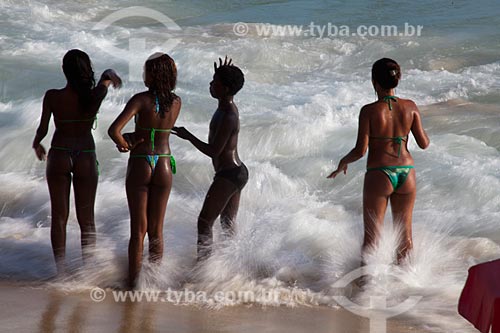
(151, 164)
(72, 157)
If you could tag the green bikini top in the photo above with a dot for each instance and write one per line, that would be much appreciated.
(152, 134)
(153, 130)
(68, 121)
(388, 100)
(396, 139)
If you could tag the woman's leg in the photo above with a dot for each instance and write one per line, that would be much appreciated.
(376, 191)
(59, 181)
(85, 177)
(137, 185)
(159, 192)
(402, 203)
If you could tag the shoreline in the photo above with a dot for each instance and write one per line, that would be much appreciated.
(54, 310)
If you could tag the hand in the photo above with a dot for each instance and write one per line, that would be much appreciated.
(111, 75)
(226, 63)
(122, 149)
(342, 167)
(40, 152)
(131, 141)
(181, 132)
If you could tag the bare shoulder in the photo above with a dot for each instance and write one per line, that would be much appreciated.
(139, 98)
(368, 109)
(52, 96)
(408, 104)
(177, 102)
(51, 93)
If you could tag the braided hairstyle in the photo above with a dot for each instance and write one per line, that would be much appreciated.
(77, 68)
(162, 77)
(386, 72)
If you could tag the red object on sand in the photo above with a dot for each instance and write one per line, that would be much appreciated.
(480, 299)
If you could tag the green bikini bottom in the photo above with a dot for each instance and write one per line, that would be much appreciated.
(153, 160)
(74, 153)
(397, 174)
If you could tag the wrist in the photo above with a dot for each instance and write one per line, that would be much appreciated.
(125, 144)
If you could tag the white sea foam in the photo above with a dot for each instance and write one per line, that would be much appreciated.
(297, 231)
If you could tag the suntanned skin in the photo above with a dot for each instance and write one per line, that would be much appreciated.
(62, 169)
(147, 192)
(223, 198)
(377, 120)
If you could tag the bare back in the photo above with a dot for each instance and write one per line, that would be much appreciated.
(225, 120)
(148, 119)
(389, 130)
(73, 121)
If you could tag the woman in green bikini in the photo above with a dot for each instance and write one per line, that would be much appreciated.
(150, 166)
(383, 128)
(72, 155)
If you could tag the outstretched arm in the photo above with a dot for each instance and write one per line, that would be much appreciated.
(223, 132)
(108, 77)
(43, 128)
(361, 144)
(125, 142)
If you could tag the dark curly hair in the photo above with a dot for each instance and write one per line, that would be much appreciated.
(386, 72)
(162, 74)
(232, 77)
(77, 68)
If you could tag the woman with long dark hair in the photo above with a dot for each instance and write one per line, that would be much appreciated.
(151, 164)
(384, 126)
(72, 157)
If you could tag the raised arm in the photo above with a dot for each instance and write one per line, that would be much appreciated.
(223, 132)
(361, 144)
(418, 130)
(43, 128)
(108, 77)
(124, 142)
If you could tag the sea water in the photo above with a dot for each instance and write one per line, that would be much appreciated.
(298, 232)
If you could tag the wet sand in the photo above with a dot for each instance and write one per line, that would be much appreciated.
(28, 308)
